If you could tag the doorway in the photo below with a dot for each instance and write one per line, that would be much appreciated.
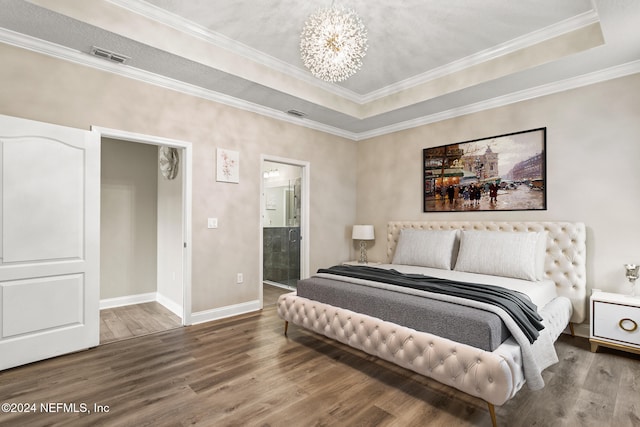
(284, 215)
(145, 219)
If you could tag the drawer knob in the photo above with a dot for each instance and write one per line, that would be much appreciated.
(625, 321)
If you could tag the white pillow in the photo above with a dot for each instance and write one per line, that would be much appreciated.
(501, 253)
(426, 248)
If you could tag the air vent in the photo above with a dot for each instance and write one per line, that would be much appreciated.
(296, 113)
(107, 54)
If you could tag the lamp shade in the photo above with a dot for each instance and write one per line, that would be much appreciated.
(362, 232)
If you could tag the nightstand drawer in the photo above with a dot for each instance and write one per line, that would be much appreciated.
(616, 322)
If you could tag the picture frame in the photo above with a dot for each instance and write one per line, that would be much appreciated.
(499, 173)
(227, 166)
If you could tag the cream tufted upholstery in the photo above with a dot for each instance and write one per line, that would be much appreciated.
(471, 370)
(565, 262)
(493, 376)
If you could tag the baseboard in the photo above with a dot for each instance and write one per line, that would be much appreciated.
(199, 317)
(141, 299)
(169, 304)
(223, 312)
(128, 300)
(582, 330)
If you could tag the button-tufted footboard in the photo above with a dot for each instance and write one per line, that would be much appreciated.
(492, 376)
(477, 372)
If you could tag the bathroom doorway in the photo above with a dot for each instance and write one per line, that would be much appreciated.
(283, 222)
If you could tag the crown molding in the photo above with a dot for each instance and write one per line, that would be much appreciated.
(512, 98)
(64, 53)
(181, 24)
(568, 25)
(47, 48)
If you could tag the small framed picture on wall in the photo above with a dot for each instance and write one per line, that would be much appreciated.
(227, 166)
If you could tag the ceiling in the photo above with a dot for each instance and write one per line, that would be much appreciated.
(428, 60)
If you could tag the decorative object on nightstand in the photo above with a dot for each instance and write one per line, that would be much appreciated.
(363, 233)
(614, 321)
(632, 275)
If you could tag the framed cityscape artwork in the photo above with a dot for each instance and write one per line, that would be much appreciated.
(499, 173)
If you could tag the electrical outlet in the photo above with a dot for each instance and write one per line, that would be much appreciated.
(212, 222)
(239, 278)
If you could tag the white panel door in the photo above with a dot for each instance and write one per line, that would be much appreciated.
(50, 231)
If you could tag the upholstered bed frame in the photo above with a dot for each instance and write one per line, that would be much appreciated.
(565, 262)
(488, 375)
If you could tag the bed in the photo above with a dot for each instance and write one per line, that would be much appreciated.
(545, 260)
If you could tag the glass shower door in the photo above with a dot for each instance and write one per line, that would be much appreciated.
(281, 232)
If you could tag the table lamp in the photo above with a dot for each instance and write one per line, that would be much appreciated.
(363, 233)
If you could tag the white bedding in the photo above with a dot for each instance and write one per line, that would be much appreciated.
(540, 292)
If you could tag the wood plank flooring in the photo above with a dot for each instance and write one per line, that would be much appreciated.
(242, 371)
(271, 293)
(135, 320)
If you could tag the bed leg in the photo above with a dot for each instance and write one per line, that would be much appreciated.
(286, 326)
(573, 334)
(492, 412)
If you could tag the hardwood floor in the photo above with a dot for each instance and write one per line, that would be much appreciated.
(271, 293)
(135, 320)
(130, 321)
(242, 371)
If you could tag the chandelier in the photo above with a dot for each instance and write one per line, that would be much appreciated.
(333, 43)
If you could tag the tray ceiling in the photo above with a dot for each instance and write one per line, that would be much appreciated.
(427, 60)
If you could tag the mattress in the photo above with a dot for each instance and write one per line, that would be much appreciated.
(541, 292)
(471, 326)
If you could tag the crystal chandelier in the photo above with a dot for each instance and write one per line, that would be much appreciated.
(333, 43)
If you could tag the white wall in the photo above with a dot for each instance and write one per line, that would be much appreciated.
(170, 238)
(593, 176)
(128, 219)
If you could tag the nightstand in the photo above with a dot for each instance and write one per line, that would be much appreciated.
(369, 264)
(614, 321)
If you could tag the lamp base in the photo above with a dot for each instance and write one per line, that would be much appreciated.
(363, 252)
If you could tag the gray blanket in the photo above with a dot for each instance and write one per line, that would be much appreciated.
(516, 304)
(466, 325)
(535, 357)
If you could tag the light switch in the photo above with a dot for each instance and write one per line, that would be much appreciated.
(212, 223)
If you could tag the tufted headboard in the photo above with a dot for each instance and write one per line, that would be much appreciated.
(565, 262)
